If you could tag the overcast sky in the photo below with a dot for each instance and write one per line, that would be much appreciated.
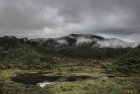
(55, 18)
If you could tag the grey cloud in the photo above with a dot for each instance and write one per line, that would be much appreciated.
(53, 18)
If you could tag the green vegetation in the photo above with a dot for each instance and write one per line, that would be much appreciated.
(23, 64)
(24, 54)
(129, 63)
(88, 52)
(117, 85)
(26, 57)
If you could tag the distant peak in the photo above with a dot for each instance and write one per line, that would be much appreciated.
(86, 36)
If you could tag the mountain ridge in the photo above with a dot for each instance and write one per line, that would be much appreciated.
(80, 39)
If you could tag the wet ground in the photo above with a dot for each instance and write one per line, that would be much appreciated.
(36, 78)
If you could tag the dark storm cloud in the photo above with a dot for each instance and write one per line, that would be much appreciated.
(52, 18)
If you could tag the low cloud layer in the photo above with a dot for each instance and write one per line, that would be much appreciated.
(113, 43)
(55, 18)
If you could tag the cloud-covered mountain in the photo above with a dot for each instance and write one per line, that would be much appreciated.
(84, 39)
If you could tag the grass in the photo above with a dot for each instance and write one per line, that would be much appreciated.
(117, 85)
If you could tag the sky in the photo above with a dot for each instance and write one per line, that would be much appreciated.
(56, 18)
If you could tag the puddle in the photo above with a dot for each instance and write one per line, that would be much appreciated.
(42, 81)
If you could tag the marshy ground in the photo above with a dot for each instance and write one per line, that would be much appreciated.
(69, 79)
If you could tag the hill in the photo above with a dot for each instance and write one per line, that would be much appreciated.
(130, 62)
(74, 40)
(85, 46)
(23, 54)
(33, 54)
(88, 52)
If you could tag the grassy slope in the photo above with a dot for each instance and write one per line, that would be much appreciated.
(26, 57)
(135, 53)
(130, 62)
(87, 52)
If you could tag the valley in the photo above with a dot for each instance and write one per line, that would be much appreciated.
(64, 80)
(28, 67)
(69, 46)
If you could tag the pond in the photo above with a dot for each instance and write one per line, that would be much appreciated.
(43, 80)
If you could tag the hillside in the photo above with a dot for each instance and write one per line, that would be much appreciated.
(75, 40)
(87, 52)
(29, 67)
(23, 54)
(30, 54)
(135, 53)
(130, 62)
(85, 46)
